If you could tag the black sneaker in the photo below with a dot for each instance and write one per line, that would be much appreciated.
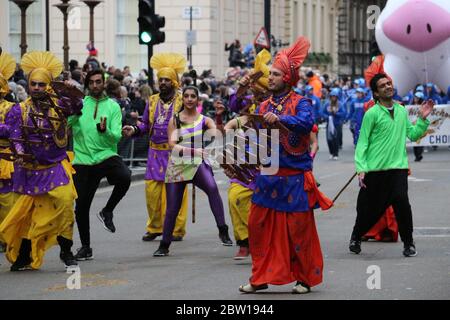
(355, 246)
(162, 251)
(224, 237)
(409, 250)
(150, 236)
(68, 259)
(84, 253)
(107, 219)
(21, 264)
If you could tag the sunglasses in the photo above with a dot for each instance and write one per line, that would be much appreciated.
(39, 84)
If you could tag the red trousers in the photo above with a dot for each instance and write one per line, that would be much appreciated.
(284, 247)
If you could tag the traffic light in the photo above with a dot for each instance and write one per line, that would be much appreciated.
(150, 23)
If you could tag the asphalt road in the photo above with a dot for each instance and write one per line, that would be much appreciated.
(200, 268)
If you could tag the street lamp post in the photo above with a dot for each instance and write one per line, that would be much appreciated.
(91, 4)
(64, 8)
(23, 6)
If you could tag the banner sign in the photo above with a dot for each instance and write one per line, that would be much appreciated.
(438, 133)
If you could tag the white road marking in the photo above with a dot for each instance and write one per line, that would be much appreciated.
(414, 179)
(329, 176)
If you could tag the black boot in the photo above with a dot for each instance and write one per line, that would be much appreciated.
(224, 237)
(24, 259)
(66, 254)
(163, 250)
(355, 244)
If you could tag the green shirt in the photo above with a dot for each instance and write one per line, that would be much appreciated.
(382, 140)
(91, 146)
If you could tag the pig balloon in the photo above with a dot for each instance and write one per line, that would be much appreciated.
(414, 36)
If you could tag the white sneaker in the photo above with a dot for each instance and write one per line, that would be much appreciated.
(331, 157)
(301, 289)
(248, 288)
(335, 158)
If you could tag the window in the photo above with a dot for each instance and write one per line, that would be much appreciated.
(128, 51)
(35, 20)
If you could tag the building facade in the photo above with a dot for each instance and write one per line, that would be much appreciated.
(215, 21)
(356, 32)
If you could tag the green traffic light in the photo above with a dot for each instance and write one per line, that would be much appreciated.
(146, 37)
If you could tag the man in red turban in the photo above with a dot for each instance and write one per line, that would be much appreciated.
(283, 239)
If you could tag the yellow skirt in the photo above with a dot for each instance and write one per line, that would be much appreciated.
(7, 201)
(40, 219)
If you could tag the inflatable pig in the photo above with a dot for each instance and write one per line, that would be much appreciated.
(414, 36)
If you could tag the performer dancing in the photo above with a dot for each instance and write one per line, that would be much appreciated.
(184, 131)
(382, 163)
(386, 229)
(97, 131)
(7, 196)
(284, 244)
(43, 215)
(240, 193)
(157, 115)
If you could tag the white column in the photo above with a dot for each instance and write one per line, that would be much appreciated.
(309, 18)
(109, 18)
(4, 24)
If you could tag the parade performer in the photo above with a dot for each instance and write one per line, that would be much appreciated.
(240, 193)
(157, 115)
(186, 164)
(7, 196)
(284, 244)
(241, 103)
(382, 163)
(386, 229)
(97, 131)
(43, 214)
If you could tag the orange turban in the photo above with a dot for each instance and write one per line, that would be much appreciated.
(290, 60)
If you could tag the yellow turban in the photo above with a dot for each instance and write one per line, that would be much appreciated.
(168, 65)
(41, 66)
(7, 68)
(261, 64)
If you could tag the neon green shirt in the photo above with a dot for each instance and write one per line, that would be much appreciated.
(382, 140)
(89, 145)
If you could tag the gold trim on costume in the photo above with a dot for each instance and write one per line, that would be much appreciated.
(160, 146)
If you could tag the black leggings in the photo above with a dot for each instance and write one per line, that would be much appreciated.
(384, 188)
(87, 179)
